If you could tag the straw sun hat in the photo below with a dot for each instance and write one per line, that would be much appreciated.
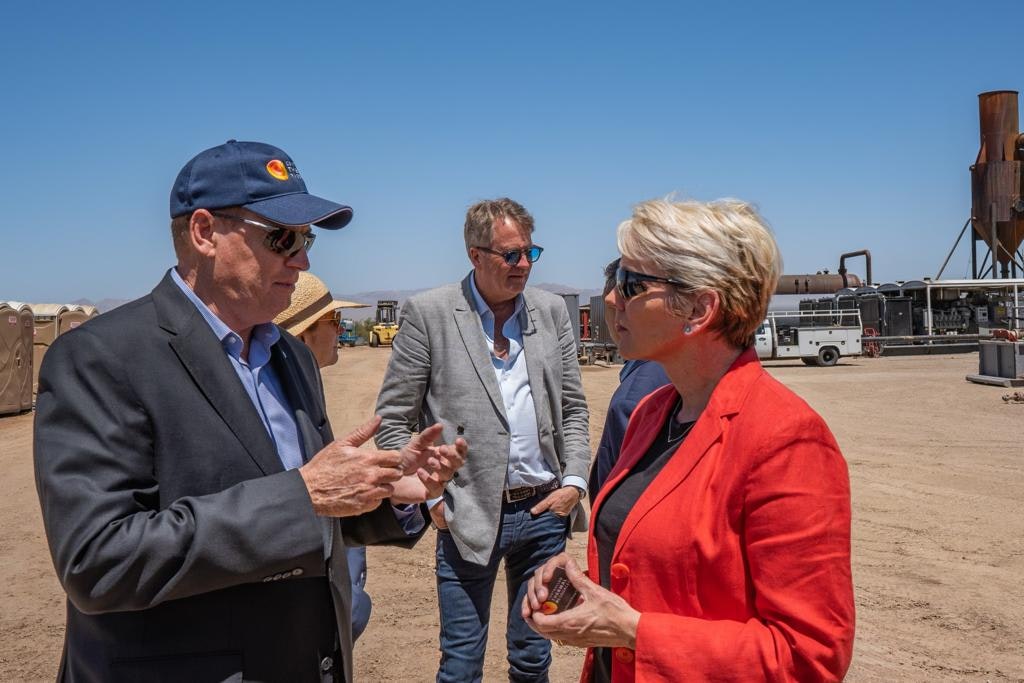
(310, 300)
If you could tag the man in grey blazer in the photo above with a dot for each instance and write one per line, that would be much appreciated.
(495, 362)
(196, 503)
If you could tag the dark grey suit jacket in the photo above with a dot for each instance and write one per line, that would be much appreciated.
(186, 551)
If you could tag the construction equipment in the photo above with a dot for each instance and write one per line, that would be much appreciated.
(347, 332)
(386, 326)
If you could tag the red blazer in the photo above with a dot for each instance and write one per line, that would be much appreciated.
(738, 553)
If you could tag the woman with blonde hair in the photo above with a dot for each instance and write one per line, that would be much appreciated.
(719, 547)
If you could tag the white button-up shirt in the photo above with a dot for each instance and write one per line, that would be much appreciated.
(526, 463)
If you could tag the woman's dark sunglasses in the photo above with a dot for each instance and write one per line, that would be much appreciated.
(278, 240)
(512, 256)
(630, 283)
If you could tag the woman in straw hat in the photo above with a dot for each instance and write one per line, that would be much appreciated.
(313, 316)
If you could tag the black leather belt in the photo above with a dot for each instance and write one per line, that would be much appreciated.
(524, 492)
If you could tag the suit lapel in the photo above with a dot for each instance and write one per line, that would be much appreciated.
(301, 398)
(467, 320)
(725, 402)
(201, 353)
(534, 343)
(705, 433)
(308, 414)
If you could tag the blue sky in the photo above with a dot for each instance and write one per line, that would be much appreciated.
(851, 125)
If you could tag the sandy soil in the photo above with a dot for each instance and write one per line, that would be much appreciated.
(937, 470)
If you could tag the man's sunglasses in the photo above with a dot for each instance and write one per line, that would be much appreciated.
(630, 283)
(278, 240)
(512, 256)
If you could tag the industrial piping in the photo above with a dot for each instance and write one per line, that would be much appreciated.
(867, 265)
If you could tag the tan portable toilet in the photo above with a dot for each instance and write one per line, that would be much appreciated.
(15, 357)
(74, 316)
(51, 321)
(45, 330)
(27, 324)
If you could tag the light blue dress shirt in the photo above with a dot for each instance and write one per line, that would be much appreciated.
(267, 395)
(257, 376)
(526, 463)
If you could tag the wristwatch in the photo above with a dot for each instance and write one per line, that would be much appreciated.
(583, 491)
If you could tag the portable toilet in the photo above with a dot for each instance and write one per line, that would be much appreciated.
(75, 315)
(46, 322)
(27, 323)
(51, 321)
(15, 357)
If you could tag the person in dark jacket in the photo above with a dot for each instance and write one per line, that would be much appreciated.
(196, 503)
(637, 378)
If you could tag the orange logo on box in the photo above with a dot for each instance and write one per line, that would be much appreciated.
(275, 167)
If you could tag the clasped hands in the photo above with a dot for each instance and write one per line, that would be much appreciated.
(600, 618)
(345, 480)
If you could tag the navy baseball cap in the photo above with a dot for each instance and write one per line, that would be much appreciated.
(257, 177)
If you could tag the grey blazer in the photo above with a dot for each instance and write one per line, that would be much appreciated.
(440, 371)
(186, 550)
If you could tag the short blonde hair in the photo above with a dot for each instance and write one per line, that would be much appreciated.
(723, 246)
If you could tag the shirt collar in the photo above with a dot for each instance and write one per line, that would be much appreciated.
(481, 306)
(264, 335)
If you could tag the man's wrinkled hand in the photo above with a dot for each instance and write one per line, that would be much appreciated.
(344, 480)
(434, 465)
(561, 501)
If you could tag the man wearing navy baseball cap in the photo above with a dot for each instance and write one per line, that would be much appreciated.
(196, 503)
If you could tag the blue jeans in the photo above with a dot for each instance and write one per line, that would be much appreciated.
(464, 594)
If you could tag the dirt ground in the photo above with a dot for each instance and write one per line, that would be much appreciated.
(937, 471)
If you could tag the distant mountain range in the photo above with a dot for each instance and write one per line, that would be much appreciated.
(400, 295)
(103, 305)
(371, 297)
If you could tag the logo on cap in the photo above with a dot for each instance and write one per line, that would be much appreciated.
(275, 167)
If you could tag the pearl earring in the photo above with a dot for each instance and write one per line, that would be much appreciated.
(687, 330)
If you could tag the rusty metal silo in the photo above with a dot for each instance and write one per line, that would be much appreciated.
(997, 180)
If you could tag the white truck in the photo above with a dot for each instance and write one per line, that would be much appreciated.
(815, 337)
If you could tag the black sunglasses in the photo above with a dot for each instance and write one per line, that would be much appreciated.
(278, 240)
(630, 283)
(512, 256)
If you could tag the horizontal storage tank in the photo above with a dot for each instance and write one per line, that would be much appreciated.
(818, 283)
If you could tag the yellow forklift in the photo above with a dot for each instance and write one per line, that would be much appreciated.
(386, 326)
